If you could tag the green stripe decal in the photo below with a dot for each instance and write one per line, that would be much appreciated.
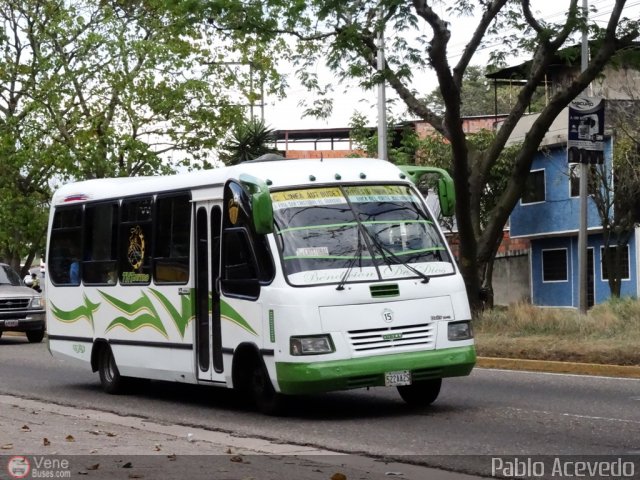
(182, 318)
(71, 316)
(319, 376)
(148, 319)
(353, 224)
(228, 313)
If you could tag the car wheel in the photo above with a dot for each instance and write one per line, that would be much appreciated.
(421, 394)
(110, 378)
(35, 336)
(264, 396)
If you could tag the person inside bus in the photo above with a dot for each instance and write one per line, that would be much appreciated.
(74, 271)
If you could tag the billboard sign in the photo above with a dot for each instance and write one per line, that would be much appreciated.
(586, 130)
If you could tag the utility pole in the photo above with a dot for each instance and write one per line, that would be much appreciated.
(382, 99)
(584, 186)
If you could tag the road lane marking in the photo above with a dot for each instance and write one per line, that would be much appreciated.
(576, 415)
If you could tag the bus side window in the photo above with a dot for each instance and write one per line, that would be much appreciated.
(99, 266)
(65, 249)
(172, 239)
(239, 272)
(238, 205)
(135, 241)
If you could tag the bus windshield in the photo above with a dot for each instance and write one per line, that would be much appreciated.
(360, 233)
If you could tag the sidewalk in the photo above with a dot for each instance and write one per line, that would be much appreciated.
(65, 442)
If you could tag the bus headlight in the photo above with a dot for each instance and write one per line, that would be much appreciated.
(311, 345)
(460, 331)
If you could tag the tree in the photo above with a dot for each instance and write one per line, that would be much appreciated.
(616, 189)
(402, 142)
(417, 38)
(479, 96)
(27, 158)
(111, 88)
(247, 141)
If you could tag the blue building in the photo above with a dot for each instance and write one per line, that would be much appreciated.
(549, 216)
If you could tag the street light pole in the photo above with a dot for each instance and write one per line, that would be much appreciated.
(584, 186)
(382, 99)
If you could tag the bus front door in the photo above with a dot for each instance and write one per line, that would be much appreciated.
(207, 270)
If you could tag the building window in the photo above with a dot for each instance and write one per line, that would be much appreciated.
(574, 179)
(624, 262)
(554, 265)
(534, 188)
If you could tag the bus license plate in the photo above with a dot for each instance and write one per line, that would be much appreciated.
(397, 379)
(11, 323)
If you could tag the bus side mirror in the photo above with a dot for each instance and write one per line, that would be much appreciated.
(446, 190)
(447, 196)
(261, 206)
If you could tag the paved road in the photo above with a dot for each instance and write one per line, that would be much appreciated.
(489, 413)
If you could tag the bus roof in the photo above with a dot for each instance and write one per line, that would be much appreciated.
(281, 174)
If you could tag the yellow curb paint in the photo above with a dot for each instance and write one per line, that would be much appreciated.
(560, 367)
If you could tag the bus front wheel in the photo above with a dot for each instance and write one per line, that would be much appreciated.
(110, 378)
(264, 396)
(421, 394)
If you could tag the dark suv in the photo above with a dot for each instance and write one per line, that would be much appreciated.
(21, 308)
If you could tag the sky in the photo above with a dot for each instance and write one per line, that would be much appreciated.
(287, 114)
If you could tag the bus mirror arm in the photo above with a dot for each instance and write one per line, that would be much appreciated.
(446, 190)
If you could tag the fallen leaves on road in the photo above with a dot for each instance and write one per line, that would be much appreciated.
(94, 467)
(127, 465)
(70, 438)
(46, 442)
(338, 476)
(7, 446)
(236, 459)
(25, 428)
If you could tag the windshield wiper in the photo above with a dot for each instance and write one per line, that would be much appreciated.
(356, 258)
(387, 252)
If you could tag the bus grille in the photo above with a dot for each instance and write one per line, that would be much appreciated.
(392, 338)
(14, 303)
(388, 290)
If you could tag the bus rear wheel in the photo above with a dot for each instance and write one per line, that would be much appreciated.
(110, 378)
(264, 396)
(421, 394)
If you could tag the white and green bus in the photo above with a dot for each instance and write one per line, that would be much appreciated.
(273, 277)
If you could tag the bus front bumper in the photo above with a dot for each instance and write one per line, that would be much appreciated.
(303, 378)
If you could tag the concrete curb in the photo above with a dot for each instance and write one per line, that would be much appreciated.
(560, 367)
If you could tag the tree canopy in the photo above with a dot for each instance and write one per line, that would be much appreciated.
(94, 89)
(482, 97)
